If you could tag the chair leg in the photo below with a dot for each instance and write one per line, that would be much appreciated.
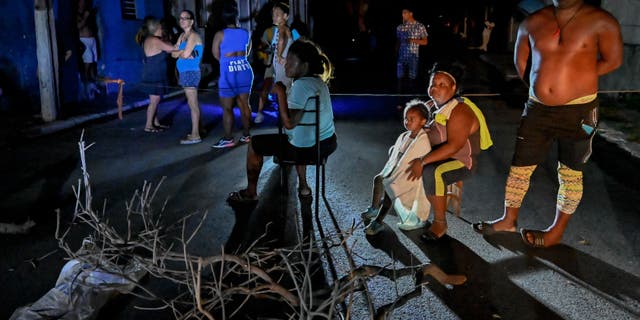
(324, 187)
(284, 187)
(454, 197)
(317, 193)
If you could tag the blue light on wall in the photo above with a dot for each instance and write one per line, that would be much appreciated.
(119, 55)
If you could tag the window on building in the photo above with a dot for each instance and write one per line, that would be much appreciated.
(128, 9)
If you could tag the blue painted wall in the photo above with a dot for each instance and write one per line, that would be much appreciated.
(18, 63)
(119, 54)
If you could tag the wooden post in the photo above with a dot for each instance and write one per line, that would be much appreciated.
(46, 53)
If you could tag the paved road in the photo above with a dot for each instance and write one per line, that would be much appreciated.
(592, 275)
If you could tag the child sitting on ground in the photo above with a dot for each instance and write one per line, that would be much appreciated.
(407, 197)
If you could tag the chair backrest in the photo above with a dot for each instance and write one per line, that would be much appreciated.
(319, 158)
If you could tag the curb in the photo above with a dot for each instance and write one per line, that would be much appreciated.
(616, 156)
(56, 126)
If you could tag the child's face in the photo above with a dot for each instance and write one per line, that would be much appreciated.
(278, 16)
(414, 121)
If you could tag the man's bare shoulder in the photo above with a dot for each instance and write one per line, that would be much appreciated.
(542, 14)
(599, 16)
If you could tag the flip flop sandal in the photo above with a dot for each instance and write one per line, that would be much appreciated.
(487, 229)
(162, 126)
(153, 130)
(538, 238)
(240, 197)
(430, 237)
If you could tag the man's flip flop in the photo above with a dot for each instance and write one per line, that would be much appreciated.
(153, 130)
(430, 237)
(162, 126)
(240, 197)
(483, 228)
(538, 238)
(487, 229)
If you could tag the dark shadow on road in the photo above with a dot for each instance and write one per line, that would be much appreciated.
(488, 291)
(611, 283)
(50, 194)
(388, 241)
(167, 117)
(263, 220)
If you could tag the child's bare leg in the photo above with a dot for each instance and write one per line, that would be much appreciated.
(384, 209)
(377, 192)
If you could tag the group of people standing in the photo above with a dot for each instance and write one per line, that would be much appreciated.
(567, 52)
(568, 45)
(300, 72)
(230, 47)
(188, 52)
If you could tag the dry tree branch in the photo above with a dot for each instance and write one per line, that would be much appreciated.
(214, 283)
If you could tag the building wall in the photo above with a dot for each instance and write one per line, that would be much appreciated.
(627, 77)
(18, 62)
(119, 55)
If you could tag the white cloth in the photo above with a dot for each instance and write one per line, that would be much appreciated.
(90, 54)
(408, 196)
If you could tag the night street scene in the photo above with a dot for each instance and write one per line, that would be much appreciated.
(320, 159)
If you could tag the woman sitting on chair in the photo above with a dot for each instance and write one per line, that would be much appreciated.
(310, 70)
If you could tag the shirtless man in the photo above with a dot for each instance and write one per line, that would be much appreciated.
(571, 44)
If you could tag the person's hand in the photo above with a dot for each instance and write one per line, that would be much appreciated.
(415, 169)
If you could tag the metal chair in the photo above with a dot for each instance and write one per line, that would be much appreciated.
(319, 162)
(454, 197)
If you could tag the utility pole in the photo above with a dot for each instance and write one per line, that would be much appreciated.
(47, 53)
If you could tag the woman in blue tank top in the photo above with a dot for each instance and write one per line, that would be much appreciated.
(231, 46)
(189, 53)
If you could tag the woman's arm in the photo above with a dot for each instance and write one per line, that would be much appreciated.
(193, 39)
(249, 45)
(162, 45)
(290, 118)
(215, 47)
(176, 52)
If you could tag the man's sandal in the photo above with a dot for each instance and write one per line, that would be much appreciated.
(240, 197)
(538, 238)
(153, 130)
(429, 237)
(487, 229)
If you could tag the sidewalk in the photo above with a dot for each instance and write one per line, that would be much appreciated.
(104, 106)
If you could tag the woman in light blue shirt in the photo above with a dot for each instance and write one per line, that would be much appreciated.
(310, 70)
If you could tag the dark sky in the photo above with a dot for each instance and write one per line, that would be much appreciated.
(336, 21)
